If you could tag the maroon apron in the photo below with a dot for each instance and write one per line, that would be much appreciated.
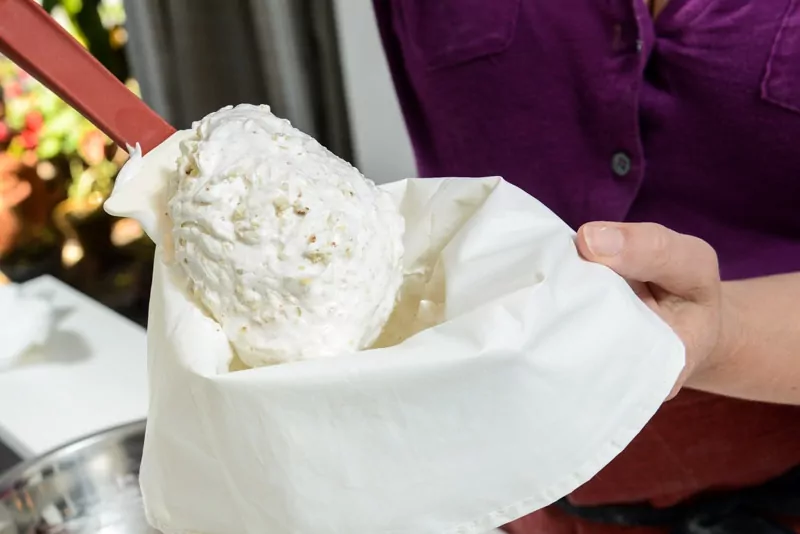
(718, 449)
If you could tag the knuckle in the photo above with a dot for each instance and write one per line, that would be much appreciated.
(709, 261)
(706, 264)
(659, 241)
(705, 255)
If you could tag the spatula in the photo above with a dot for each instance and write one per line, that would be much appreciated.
(39, 45)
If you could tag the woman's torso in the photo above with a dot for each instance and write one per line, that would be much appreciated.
(692, 121)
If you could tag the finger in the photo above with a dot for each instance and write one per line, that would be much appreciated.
(680, 264)
(642, 290)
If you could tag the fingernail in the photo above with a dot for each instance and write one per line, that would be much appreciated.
(604, 240)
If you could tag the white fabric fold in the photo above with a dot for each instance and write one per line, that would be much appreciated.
(511, 373)
(26, 321)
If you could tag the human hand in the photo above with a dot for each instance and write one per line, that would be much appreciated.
(677, 276)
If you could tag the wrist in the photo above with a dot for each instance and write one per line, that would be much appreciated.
(732, 328)
(722, 361)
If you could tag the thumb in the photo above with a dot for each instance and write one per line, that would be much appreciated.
(645, 252)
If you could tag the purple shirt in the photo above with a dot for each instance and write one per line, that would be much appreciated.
(692, 121)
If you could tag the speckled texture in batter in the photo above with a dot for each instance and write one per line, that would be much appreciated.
(287, 246)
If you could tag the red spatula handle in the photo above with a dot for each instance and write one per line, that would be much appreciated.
(39, 45)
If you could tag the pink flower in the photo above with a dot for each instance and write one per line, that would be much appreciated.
(12, 90)
(34, 121)
(92, 147)
(29, 139)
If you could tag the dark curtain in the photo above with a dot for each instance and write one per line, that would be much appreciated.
(192, 57)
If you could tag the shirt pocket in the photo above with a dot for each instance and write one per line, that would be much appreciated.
(445, 33)
(781, 82)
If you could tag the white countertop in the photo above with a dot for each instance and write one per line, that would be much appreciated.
(90, 375)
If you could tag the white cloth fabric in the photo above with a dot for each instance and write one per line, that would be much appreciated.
(541, 369)
(25, 322)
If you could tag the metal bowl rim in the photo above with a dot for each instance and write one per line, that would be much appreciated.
(115, 434)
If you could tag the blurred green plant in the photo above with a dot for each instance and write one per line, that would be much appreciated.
(38, 121)
(35, 122)
(98, 24)
(65, 167)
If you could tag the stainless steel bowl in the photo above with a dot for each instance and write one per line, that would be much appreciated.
(89, 486)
